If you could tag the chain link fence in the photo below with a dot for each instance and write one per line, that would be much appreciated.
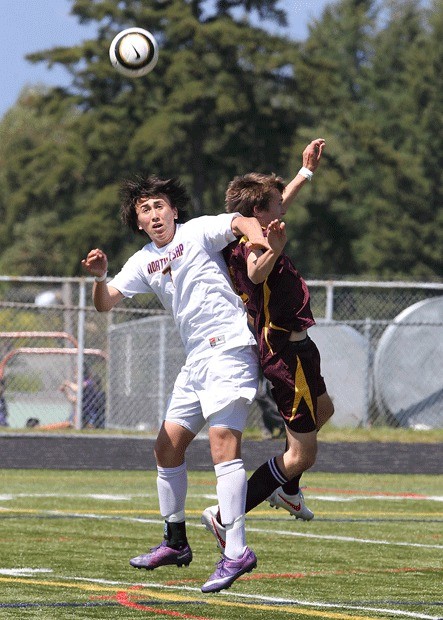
(63, 364)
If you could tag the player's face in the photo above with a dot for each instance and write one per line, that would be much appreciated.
(156, 217)
(275, 210)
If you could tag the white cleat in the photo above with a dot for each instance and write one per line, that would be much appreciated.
(209, 520)
(294, 504)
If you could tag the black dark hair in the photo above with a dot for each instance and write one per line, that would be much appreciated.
(132, 190)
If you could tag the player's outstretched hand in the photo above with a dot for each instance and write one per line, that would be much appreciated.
(276, 235)
(312, 154)
(96, 263)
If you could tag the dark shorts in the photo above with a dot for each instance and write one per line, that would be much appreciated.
(296, 384)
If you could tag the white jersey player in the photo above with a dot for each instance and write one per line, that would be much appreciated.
(184, 267)
(190, 278)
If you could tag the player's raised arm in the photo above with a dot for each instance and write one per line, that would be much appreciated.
(311, 159)
(104, 297)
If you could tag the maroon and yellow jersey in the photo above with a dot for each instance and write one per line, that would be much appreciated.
(278, 306)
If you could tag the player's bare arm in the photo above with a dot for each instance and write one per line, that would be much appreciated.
(311, 159)
(104, 297)
(261, 263)
(251, 228)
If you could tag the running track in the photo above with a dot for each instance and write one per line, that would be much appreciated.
(132, 453)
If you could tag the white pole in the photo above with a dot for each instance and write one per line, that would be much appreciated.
(368, 382)
(329, 301)
(80, 353)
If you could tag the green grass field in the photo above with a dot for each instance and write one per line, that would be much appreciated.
(374, 550)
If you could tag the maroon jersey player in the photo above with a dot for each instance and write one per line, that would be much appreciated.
(278, 302)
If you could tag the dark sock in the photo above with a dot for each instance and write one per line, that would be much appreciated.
(175, 534)
(292, 487)
(263, 481)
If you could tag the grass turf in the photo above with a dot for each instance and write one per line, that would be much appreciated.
(373, 550)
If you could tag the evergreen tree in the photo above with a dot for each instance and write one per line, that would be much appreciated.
(432, 143)
(220, 101)
(374, 96)
(220, 96)
(333, 77)
(227, 98)
(399, 210)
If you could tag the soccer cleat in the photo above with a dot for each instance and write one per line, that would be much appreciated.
(228, 571)
(209, 520)
(162, 555)
(294, 504)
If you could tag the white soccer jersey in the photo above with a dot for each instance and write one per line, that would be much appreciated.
(190, 277)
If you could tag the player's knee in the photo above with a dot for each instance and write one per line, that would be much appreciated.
(162, 453)
(306, 462)
(298, 461)
(225, 444)
(166, 453)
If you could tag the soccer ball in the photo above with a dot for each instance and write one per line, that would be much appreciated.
(134, 52)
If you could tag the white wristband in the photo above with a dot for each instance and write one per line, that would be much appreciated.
(305, 172)
(101, 278)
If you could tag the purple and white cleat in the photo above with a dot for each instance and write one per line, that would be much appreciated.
(228, 571)
(162, 555)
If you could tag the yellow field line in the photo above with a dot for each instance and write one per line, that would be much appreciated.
(90, 587)
(291, 609)
(267, 513)
(294, 609)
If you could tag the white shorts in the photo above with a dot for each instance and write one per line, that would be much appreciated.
(216, 390)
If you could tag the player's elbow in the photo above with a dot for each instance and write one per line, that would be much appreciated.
(256, 277)
(102, 307)
(105, 300)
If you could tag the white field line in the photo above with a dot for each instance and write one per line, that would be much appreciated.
(265, 599)
(29, 572)
(368, 541)
(257, 530)
(24, 572)
(128, 497)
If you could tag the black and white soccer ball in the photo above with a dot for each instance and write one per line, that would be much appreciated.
(134, 52)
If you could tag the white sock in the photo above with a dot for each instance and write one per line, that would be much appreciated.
(231, 493)
(172, 486)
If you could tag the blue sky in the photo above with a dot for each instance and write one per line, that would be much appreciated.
(33, 25)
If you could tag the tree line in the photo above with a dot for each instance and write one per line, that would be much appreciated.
(228, 97)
